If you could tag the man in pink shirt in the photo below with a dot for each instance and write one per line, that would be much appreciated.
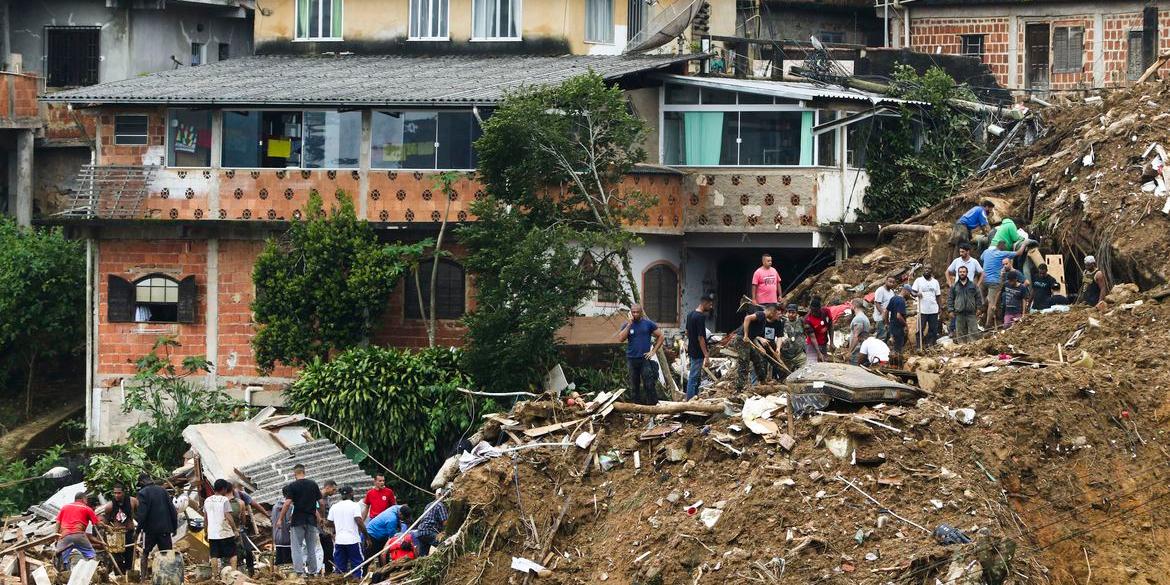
(766, 283)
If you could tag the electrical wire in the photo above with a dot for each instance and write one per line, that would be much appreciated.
(367, 454)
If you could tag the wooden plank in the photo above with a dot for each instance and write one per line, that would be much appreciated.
(1055, 264)
(546, 429)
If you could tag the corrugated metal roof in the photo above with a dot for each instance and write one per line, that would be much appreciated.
(793, 90)
(322, 460)
(382, 80)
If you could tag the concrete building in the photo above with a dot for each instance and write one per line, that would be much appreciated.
(51, 45)
(195, 167)
(1038, 47)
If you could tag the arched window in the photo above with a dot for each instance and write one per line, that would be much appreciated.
(450, 291)
(660, 293)
(155, 298)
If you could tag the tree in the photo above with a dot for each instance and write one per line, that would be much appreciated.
(923, 156)
(172, 401)
(444, 183)
(402, 406)
(321, 287)
(552, 159)
(42, 298)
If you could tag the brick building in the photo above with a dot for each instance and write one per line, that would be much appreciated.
(195, 167)
(1042, 46)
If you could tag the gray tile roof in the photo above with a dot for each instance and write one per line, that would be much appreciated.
(382, 80)
(322, 460)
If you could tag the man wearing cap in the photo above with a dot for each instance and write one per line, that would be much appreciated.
(1093, 284)
(349, 531)
(896, 312)
(792, 339)
(697, 351)
(974, 219)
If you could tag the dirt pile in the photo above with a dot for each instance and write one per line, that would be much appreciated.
(1060, 470)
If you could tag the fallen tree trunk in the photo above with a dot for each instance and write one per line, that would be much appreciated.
(898, 228)
(664, 407)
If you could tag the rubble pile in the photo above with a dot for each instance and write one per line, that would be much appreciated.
(1039, 448)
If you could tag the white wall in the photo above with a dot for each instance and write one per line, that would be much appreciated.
(839, 195)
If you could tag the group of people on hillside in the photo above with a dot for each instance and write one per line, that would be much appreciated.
(308, 522)
(150, 513)
(983, 291)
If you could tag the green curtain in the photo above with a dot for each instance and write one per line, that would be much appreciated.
(303, 19)
(704, 137)
(806, 139)
(337, 20)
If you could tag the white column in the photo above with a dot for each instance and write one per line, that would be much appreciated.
(212, 317)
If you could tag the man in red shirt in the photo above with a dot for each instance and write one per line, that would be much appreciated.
(766, 283)
(378, 499)
(72, 521)
(820, 323)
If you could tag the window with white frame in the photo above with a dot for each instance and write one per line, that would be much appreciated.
(428, 19)
(495, 19)
(714, 127)
(319, 19)
(599, 21)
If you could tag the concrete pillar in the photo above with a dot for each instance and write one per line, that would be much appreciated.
(212, 316)
(20, 183)
(1013, 65)
(363, 194)
(1098, 49)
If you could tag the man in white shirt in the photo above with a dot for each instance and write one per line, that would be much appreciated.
(974, 269)
(881, 296)
(349, 531)
(873, 350)
(221, 528)
(928, 290)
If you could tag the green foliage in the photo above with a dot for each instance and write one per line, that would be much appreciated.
(172, 401)
(321, 287)
(17, 497)
(400, 405)
(552, 159)
(922, 158)
(587, 379)
(42, 299)
(120, 464)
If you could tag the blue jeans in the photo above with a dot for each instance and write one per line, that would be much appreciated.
(346, 558)
(695, 376)
(306, 541)
(423, 541)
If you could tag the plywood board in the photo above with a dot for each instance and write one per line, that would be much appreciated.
(1055, 264)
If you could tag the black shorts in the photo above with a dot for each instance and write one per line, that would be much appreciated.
(222, 548)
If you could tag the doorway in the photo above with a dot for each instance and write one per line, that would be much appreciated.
(1037, 50)
(734, 268)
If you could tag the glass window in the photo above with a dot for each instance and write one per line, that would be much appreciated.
(495, 19)
(428, 19)
(424, 140)
(718, 96)
(599, 21)
(755, 99)
(827, 142)
(189, 138)
(450, 291)
(130, 129)
(682, 94)
(196, 54)
(332, 140)
(319, 19)
(769, 138)
(972, 45)
(261, 139)
(857, 141)
(700, 138)
(156, 299)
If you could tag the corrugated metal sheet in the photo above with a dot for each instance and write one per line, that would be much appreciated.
(322, 460)
(357, 79)
(793, 90)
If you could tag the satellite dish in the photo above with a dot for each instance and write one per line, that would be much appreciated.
(665, 26)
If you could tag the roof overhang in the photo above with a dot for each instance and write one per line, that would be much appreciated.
(793, 90)
(882, 110)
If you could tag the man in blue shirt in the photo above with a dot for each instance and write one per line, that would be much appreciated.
(974, 219)
(896, 313)
(391, 521)
(643, 338)
(993, 268)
